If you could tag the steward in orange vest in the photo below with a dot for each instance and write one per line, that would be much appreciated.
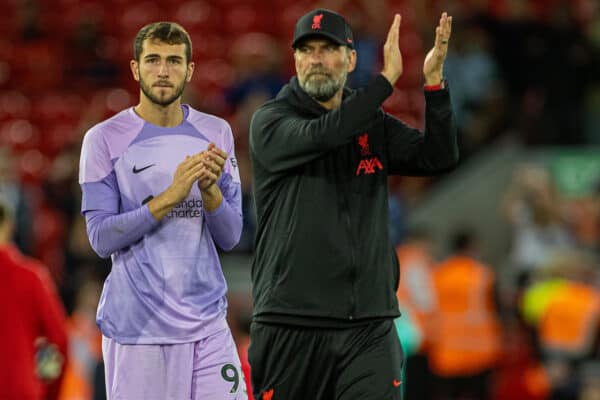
(569, 327)
(416, 290)
(466, 342)
(416, 295)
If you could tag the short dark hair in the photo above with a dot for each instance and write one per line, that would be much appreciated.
(167, 32)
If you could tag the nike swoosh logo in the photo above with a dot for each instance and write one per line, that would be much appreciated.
(137, 171)
(396, 383)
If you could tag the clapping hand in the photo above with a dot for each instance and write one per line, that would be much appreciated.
(434, 61)
(392, 57)
(213, 162)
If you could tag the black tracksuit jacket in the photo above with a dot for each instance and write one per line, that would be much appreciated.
(323, 256)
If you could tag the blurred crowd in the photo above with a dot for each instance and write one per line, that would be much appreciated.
(523, 71)
(527, 329)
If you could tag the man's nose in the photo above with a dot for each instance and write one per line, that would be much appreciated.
(316, 57)
(163, 70)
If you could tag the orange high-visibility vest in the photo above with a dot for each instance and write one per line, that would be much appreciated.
(77, 383)
(571, 320)
(416, 290)
(466, 329)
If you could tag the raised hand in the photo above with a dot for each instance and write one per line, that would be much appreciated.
(204, 168)
(213, 161)
(392, 58)
(187, 172)
(433, 67)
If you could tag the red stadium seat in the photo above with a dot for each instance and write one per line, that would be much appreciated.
(208, 46)
(39, 67)
(88, 11)
(241, 18)
(137, 15)
(214, 73)
(33, 166)
(198, 16)
(288, 15)
(14, 104)
(58, 106)
(57, 137)
(20, 134)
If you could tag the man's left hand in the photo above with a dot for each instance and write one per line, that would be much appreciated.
(213, 162)
(433, 68)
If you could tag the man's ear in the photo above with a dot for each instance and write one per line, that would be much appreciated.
(135, 71)
(351, 59)
(190, 71)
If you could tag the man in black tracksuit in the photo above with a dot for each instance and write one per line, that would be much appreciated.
(325, 273)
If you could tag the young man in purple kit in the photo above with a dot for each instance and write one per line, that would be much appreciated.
(161, 190)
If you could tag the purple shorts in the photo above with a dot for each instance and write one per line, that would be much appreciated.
(208, 369)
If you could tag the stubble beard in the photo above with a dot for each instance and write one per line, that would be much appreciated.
(147, 90)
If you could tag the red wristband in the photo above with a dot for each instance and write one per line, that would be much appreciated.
(433, 88)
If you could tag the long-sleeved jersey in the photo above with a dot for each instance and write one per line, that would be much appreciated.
(166, 284)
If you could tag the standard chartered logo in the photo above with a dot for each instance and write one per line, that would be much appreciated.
(191, 208)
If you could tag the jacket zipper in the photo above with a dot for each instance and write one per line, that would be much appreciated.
(352, 259)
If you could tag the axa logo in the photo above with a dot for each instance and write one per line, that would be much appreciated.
(363, 142)
(368, 166)
(317, 21)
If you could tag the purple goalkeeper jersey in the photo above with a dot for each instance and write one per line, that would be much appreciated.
(166, 284)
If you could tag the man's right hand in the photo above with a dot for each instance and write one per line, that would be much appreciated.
(186, 174)
(392, 57)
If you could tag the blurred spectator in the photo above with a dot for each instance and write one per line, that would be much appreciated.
(63, 195)
(532, 206)
(92, 48)
(256, 59)
(465, 344)
(16, 200)
(547, 95)
(589, 374)
(568, 321)
(396, 219)
(477, 90)
(34, 341)
(29, 16)
(85, 343)
(417, 299)
(589, 11)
